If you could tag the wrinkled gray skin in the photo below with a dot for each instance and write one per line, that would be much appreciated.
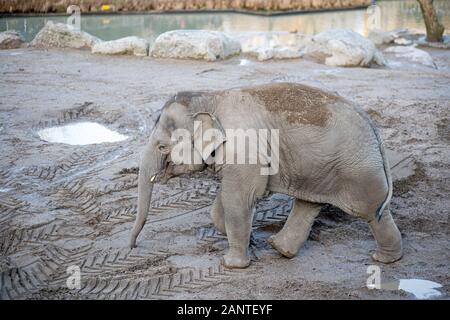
(329, 153)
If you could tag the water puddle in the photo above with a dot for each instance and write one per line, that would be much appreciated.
(245, 62)
(81, 133)
(421, 289)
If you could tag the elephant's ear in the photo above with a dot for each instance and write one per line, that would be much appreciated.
(209, 136)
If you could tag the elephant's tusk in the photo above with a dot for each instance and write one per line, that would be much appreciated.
(153, 178)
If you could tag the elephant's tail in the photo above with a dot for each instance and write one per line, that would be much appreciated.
(387, 172)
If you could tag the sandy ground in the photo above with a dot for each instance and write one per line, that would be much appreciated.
(63, 205)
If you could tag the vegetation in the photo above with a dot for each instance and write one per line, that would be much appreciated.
(46, 6)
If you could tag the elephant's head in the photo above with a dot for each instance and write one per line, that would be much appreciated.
(176, 127)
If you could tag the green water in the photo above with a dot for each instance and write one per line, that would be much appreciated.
(394, 14)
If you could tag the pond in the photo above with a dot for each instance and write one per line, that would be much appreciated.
(394, 14)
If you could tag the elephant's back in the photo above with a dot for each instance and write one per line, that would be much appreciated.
(294, 104)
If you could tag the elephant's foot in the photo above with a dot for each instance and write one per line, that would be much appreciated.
(232, 260)
(296, 229)
(280, 244)
(388, 237)
(384, 257)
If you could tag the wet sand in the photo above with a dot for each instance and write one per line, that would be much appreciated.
(63, 205)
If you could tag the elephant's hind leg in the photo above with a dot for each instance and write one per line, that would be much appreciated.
(296, 229)
(388, 238)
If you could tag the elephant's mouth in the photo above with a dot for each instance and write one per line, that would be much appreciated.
(214, 168)
(172, 170)
(164, 175)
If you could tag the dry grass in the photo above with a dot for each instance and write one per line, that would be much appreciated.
(46, 6)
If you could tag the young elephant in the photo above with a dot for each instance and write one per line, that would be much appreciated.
(328, 152)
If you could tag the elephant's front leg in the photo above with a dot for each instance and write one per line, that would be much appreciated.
(217, 214)
(296, 229)
(241, 186)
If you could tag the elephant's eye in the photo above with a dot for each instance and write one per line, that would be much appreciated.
(163, 148)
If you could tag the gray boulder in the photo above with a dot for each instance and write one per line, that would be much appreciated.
(380, 37)
(397, 36)
(345, 48)
(128, 45)
(60, 35)
(272, 44)
(412, 55)
(194, 44)
(11, 40)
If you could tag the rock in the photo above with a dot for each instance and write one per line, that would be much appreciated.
(129, 45)
(287, 52)
(397, 36)
(11, 40)
(272, 45)
(345, 48)
(403, 41)
(61, 35)
(194, 44)
(445, 44)
(412, 54)
(380, 37)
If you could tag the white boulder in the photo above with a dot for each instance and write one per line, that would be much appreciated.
(272, 45)
(61, 35)
(403, 41)
(380, 37)
(345, 48)
(412, 54)
(397, 36)
(128, 45)
(194, 44)
(10, 40)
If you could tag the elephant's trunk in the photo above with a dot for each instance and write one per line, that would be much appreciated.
(149, 167)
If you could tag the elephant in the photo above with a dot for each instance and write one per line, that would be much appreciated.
(329, 152)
